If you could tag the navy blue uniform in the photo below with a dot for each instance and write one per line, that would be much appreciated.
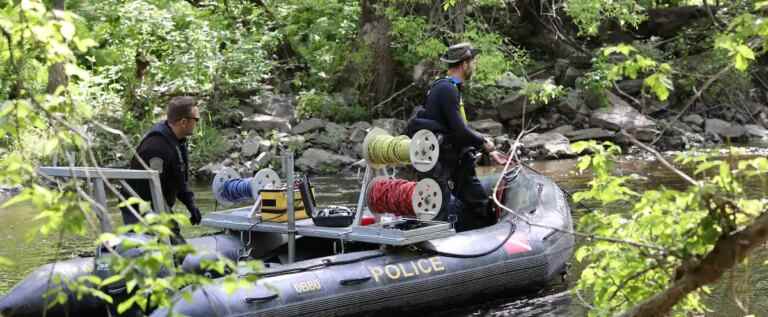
(464, 198)
(161, 143)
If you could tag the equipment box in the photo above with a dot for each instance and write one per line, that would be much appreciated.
(274, 204)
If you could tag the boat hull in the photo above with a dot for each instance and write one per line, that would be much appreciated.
(528, 248)
(38, 289)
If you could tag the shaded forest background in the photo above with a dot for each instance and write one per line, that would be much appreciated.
(543, 63)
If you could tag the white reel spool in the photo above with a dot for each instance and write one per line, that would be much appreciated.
(264, 179)
(424, 148)
(426, 201)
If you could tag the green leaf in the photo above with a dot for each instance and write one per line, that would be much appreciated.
(6, 25)
(740, 63)
(73, 70)
(92, 279)
(67, 30)
(164, 231)
(705, 166)
(584, 163)
(20, 198)
(112, 279)
(5, 262)
(581, 253)
(624, 49)
(660, 84)
(83, 45)
(131, 285)
(745, 51)
(130, 201)
(103, 296)
(49, 146)
(125, 305)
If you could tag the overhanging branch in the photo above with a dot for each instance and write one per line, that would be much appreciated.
(728, 251)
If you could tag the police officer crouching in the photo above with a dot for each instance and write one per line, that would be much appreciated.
(443, 114)
(164, 149)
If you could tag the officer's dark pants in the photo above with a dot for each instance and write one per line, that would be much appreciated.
(464, 198)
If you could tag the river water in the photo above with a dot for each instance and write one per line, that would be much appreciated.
(749, 282)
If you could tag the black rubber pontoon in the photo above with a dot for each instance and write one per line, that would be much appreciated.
(38, 290)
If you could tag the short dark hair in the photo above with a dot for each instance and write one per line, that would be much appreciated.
(180, 107)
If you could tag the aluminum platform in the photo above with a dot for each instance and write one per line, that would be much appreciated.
(238, 220)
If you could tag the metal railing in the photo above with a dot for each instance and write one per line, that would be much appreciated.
(96, 178)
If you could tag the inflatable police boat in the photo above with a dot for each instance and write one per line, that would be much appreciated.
(527, 248)
(333, 268)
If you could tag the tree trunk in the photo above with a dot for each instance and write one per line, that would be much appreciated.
(539, 31)
(56, 75)
(374, 35)
(459, 11)
(453, 18)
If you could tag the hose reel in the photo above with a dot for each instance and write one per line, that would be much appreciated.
(421, 200)
(422, 151)
(229, 188)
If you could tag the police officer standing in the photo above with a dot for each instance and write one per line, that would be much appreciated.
(444, 115)
(164, 149)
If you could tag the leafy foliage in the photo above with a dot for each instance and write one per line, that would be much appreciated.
(313, 104)
(322, 35)
(40, 38)
(631, 64)
(682, 225)
(542, 92)
(412, 39)
(589, 14)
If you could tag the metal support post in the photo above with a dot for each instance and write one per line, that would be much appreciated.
(361, 199)
(288, 167)
(100, 208)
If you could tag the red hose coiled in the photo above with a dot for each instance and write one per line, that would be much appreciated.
(392, 196)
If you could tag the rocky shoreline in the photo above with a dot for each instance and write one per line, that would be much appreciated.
(268, 124)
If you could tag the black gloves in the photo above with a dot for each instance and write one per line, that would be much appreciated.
(194, 216)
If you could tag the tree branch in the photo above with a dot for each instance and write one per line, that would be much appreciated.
(637, 275)
(377, 106)
(712, 15)
(694, 98)
(660, 158)
(729, 250)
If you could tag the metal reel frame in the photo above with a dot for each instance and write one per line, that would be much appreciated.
(221, 177)
(427, 199)
(424, 150)
(265, 178)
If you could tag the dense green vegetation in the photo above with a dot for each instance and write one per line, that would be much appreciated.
(70, 70)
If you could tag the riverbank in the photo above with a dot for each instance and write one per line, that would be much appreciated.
(322, 147)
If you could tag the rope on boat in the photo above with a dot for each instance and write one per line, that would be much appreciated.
(237, 190)
(422, 150)
(422, 200)
(387, 149)
(392, 196)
